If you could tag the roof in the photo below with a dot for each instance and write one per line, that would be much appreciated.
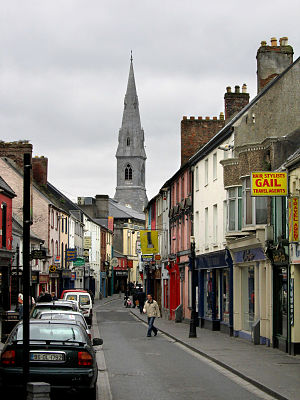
(6, 188)
(118, 210)
(228, 128)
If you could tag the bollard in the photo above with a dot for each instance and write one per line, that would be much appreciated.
(38, 391)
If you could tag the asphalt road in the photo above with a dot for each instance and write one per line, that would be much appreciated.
(134, 367)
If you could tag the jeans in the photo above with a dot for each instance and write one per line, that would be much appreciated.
(151, 327)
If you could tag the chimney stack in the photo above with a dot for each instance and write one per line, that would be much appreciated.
(272, 60)
(40, 170)
(235, 102)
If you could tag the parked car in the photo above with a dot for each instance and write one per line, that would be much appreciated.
(84, 300)
(61, 354)
(67, 316)
(53, 305)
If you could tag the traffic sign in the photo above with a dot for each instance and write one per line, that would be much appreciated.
(52, 268)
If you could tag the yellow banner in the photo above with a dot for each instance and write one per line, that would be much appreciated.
(149, 242)
(269, 184)
(294, 219)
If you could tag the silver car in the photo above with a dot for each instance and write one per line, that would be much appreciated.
(67, 316)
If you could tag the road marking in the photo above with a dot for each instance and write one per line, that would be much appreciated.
(103, 386)
(230, 375)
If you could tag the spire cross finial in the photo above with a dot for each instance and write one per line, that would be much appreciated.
(131, 59)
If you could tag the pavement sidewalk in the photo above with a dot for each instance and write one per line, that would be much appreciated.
(271, 370)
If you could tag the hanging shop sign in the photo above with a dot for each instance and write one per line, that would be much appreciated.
(129, 263)
(66, 273)
(87, 242)
(79, 262)
(114, 262)
(71, 254)
(269, 184)
(110, 223)
(294, 219)
(44, 278)
(147, 257)
(38, 254)
(149, 241)
(292, 301)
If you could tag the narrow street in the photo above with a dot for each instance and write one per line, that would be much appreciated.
(138, 367)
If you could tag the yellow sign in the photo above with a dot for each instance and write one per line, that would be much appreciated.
(269, 184)
(149, 242)
(52, 268)
(87, 242)
(294, 219)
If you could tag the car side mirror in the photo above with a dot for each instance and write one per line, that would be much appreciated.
(97, 342)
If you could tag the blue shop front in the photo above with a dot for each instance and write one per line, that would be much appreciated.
(215, 291)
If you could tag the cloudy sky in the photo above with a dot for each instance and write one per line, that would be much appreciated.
(64, 67)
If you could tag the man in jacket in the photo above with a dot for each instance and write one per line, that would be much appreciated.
(152, 310)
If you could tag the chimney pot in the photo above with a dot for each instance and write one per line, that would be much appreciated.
(184, 117)
(273, 42)
(207, 118)
(221, 116)
(200, 118)
(244, 88)
(228, 89)
(283, 41)
(237, 89)
(215, 118)
(192, 118)
(263, 43)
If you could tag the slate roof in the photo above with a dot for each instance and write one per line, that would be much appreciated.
(4, 186)
(118, 210)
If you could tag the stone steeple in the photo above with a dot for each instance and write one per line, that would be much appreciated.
(131, 155)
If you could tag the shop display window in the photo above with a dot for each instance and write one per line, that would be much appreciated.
(225, 296)
(208, 293)
(248, 298)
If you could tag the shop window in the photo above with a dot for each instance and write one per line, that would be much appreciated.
(208, 293)
(225, 296)
(4, 224)
(166, 293)
(234, 208)
(248, 298)
(255, 208)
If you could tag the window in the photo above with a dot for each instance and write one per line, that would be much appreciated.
(182, 187)
(206, 226)
(215, 223)
(128, 173)
(128, 141)
(215, 166)
(234, 208)
(197, 178)
(52, 219)
(56, 220)
(255, 208)
(279, 219)
(206, 172)
(4, 224)
(62, 225)
(224, 217)
(66, 225)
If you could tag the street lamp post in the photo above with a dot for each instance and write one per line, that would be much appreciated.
(193, 319)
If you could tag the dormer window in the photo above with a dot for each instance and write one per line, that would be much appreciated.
(128, 141)
(128, 173)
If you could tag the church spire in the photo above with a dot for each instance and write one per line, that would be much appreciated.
(131, 155)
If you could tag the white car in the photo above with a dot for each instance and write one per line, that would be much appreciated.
(66, 315)
(85, 303)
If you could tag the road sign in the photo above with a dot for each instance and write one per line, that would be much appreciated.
(114, 262)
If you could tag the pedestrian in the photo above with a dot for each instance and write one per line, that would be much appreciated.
(141, 298)
(20, 305)
(53, 296)
(152, 310)
(45, 297)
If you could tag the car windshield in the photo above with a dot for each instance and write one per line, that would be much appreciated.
(47, 307)
(84, 300)
(72, 297)
(58, 332)
(72, 317)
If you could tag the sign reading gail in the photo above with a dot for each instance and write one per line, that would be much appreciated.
(149, 241)
(269, 184)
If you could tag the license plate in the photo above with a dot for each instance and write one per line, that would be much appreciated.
(47, 357)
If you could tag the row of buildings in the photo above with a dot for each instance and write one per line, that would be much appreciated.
(245, 249)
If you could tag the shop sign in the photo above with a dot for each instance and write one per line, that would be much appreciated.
(121, 273)
(87, 242)
(57, 259)
(295, 253)
(34, 276)
(44, 278)
(66, 273)
(149, 241)
(157, 257)
(52, 268)
(38, 254)
(54, 275)
(269, 184)
(279, 257)
(292, 301)
(249, 255)
(73, 276)
(294, 219)
(147, 257)
(129, 263)
(86, 253)
(71, 254)
(79, 262)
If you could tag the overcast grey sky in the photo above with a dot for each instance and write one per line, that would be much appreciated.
(64, 67)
